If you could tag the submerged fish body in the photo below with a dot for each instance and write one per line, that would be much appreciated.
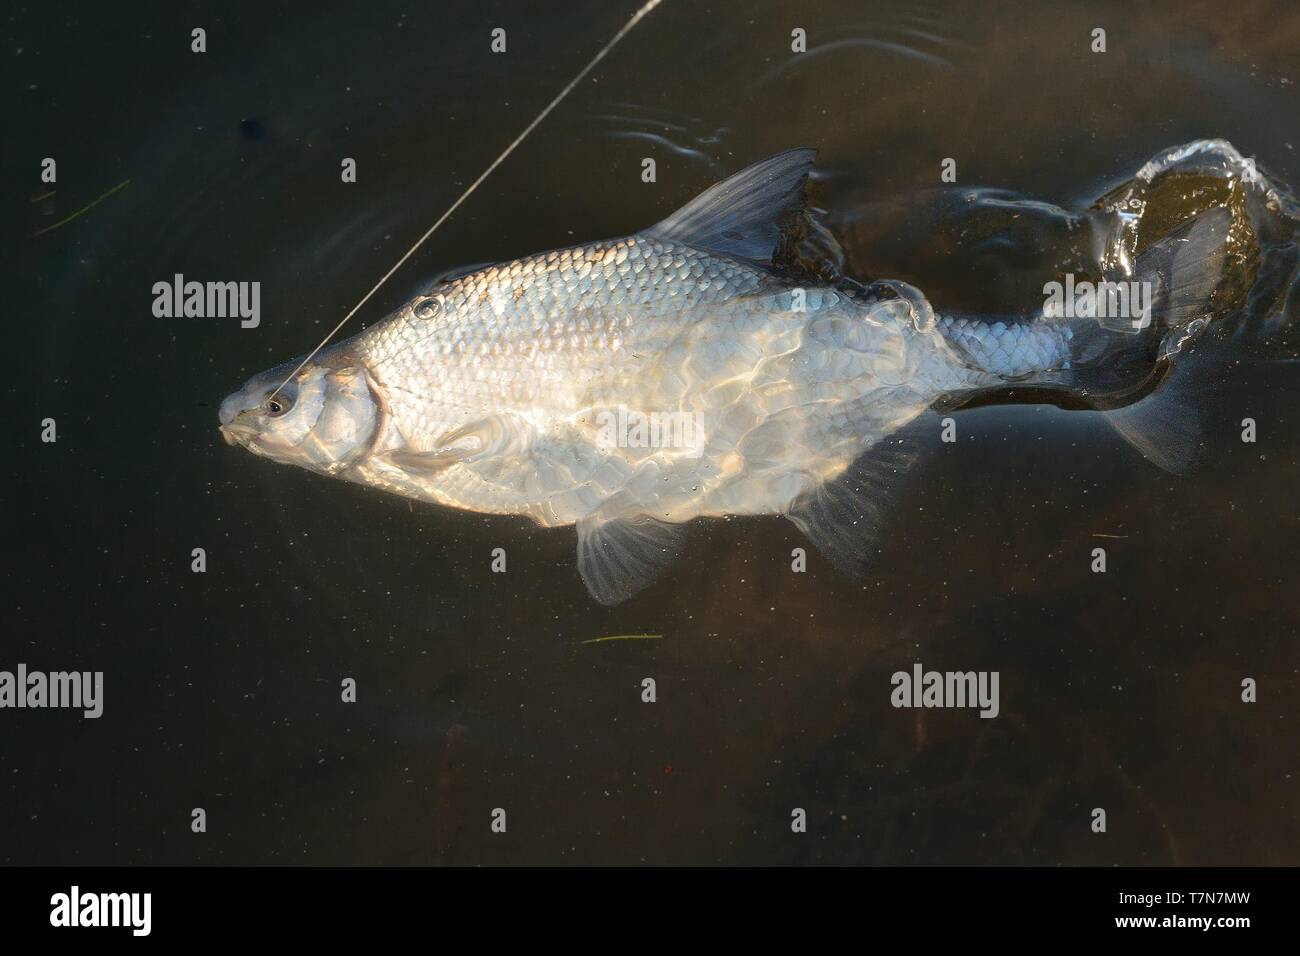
(633, 385)
(528, 397)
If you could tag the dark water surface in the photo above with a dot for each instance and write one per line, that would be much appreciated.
(476, 690)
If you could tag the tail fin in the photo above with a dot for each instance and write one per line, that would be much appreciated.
(1119, 357)
(1181, 272)
(1175, 279)
(1163, 427)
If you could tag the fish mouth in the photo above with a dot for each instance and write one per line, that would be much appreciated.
(234, 435)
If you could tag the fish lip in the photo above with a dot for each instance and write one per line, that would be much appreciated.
(232, 434)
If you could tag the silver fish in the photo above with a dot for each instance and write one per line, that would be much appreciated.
(685, 371)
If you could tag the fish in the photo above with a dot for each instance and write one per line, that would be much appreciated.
(694, 369)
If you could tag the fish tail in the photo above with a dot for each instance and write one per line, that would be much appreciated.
(1173, 286)
(1120, 361)
(1157, 416)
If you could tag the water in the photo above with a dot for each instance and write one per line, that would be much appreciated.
(475, 690)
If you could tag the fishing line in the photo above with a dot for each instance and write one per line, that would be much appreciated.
(627, 28)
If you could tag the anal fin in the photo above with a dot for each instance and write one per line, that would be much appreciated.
(621, 550)
(844, 517)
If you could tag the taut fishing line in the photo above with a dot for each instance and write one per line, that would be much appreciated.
(627, 28)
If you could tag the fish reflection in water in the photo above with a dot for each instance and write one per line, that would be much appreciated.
(708, 366)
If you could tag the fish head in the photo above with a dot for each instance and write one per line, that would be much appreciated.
(324, 418)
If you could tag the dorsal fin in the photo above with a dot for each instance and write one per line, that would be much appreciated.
(743, 215)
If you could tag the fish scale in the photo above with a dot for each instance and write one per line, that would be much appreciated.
(691, 322)
(1010, 349)
(562, 335)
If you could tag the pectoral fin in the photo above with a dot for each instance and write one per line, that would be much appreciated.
(424, 462)
(480, 440)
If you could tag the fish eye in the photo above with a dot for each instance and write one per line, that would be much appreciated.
(273, 406)
(428, 307)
